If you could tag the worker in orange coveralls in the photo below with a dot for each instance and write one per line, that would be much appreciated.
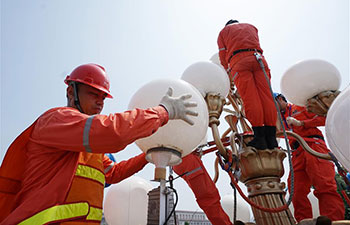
(238, 42)
(55, 171)
(207, 195)
(308, 169)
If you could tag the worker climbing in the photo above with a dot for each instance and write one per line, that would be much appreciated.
(240, 52)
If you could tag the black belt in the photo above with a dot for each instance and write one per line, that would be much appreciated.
(296, 144)
(244, 50)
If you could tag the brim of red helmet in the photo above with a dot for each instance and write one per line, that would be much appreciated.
(104, 90)
(92, 85)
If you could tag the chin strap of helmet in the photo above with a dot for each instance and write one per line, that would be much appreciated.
(76, 97)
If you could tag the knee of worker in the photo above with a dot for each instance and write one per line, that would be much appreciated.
(300, 199)
(197, 177)
(323, 178)
(270, 115)
(300, 189)
(255, 117)
(252, 103)
(327, 189)
(204, 188)
(324, 181)
(208, 199)
(189, 163)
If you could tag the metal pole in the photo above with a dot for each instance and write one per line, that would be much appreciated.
(162, 202)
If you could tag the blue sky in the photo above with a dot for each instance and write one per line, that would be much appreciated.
(139, 41)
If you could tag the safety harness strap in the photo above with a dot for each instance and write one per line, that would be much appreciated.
(244, 50)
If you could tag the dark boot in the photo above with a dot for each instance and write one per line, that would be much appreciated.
(323, 220)
(270, 137)
(259, 138)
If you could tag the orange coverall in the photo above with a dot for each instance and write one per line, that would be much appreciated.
(246, 73)
(204, 189)
(310, 170)
(55, 170)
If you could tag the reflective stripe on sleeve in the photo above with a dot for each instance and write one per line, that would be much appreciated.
(109, 167)
(86, 134)
(234, 76)
(57, 213)
(95, 214)
(91, 173)
(221, 49)
(193, 171)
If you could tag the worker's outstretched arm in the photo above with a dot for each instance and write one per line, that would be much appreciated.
(67, 128)
(116, 172)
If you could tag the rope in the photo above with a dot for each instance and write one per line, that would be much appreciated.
(235, 205)
(214, 148)
(171, 179)
(271, 210)
(225, 139)
(343, 175)
(185, 173)
(227, 166)
(259, 59)
(345, 196)
(173, 209)
(339, 168)
(235, 184)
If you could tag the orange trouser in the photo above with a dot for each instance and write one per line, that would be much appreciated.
(254, 89)
(319, 173)
(204, 189)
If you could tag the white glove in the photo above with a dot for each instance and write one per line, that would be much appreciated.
(177, 107)
(293, 121)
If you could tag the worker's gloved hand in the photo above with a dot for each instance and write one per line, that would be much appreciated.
(294, 122)
(177, 107)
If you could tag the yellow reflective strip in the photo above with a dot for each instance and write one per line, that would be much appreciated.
(95, 214)
(58, 212)
(91, 173)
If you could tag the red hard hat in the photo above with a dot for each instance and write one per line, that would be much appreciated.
(90, 74)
